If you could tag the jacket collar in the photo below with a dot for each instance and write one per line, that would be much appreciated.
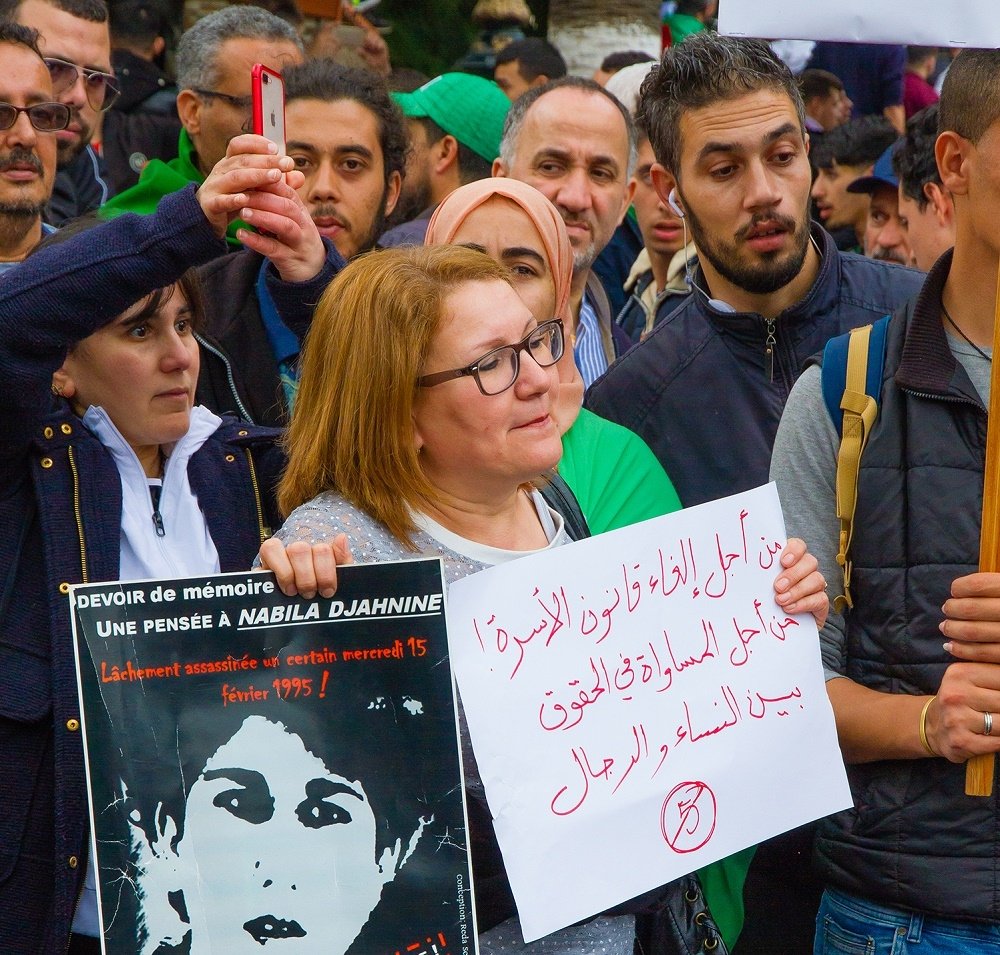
(927, 364)
(185, 163)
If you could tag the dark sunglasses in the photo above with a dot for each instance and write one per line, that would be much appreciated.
(45, 117)
(102, 88)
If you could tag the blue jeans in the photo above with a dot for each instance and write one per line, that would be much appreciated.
(847, 925)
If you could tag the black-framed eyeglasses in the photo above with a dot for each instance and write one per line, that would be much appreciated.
(102, 88)
(45, 117)
(498, 369)
(242, 103)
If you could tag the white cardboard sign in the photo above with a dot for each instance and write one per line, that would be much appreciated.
(917, 22)
(639, 706)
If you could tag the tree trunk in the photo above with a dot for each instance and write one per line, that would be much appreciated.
(588, 30)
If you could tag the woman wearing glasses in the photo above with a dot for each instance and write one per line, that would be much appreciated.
(425, 422)
(612, 472)
(109, 471)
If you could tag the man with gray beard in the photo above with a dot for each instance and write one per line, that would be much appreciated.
(576, 144)
(29, 120)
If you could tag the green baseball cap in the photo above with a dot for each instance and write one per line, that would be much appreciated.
(470, 108)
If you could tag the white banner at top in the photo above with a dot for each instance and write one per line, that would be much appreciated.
(973, 23)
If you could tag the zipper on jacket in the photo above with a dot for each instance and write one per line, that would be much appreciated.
(229, 377)
(959, 399)
(77, 515)
(155, 490)
(769, 344)
(262, 528)
(76, 907)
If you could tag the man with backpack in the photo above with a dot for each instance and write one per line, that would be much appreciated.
(705, 388)
(915, 857)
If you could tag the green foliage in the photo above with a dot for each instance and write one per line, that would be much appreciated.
(430, 35)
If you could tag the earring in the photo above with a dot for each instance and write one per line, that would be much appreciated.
(57, 390)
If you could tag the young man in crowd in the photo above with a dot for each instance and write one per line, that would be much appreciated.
(454, 124)
(659, 275)
(926, 208)
(705, 390)
(526, 63)
(826, 102)
(841, 156)
(575, 143)
(911, 664)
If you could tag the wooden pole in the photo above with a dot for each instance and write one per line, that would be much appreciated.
(979, 769)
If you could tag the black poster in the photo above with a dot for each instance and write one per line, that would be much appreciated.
(274, 773)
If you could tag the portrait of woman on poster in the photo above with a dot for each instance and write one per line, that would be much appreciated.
(284, 826)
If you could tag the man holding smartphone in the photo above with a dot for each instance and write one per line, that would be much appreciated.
(214, 63)
(348, 139)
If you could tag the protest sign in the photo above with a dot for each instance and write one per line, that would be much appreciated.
(640, 706)
(971, 23)
(268, 768)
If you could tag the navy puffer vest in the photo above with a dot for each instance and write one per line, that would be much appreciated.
(914, 840)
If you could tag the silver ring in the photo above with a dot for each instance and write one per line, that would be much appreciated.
(987, 724)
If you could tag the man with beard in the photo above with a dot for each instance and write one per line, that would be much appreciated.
(454, 124)
(705, 389)
(74, 39)
(576, 144)
(347, 138)
(29, 121)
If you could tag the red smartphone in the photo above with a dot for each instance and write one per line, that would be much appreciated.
(269, 105)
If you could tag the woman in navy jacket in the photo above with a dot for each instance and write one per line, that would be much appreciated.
(97, 377)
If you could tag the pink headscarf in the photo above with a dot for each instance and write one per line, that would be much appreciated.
(450, 215)
(448, 219)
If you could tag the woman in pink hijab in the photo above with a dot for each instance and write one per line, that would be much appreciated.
(615, 477)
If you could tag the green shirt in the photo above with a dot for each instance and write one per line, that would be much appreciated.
(618, 481)
(159, 179)
(614, 475)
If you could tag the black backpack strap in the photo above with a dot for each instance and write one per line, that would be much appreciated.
(560, 497)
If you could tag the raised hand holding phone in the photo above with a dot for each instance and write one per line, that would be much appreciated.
(268, 90)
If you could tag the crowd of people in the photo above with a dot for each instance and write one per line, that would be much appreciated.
(477, 318)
